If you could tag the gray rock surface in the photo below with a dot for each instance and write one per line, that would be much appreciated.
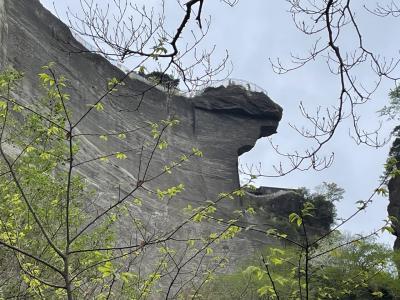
(222, 122)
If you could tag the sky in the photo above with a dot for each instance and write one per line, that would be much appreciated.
(253, 33)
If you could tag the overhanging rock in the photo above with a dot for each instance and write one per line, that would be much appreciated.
(222, 122)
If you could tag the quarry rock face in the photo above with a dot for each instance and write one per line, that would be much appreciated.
(222, 122)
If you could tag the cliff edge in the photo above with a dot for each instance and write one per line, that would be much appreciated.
(222, 122)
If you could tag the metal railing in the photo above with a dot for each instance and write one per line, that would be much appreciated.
(248, 86)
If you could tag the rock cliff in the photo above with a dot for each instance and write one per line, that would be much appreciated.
(223, 122)
(394, 191)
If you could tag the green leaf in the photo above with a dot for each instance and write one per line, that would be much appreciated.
(251, 270)
(276, 261)
(293, 217)
(382, 191)
(120, 155)
(251, 211)
(265, 290)
(30, 149)
(239, 193)
(99, 106)
(299, 221)
(377, 294)
(162, 145)
(53, 130)
(197, 152)
(137, 201)
(17, 108)
(389, 229)
(282, 235)
(104, 159)
(126, 277)
(3, 105)
(209, 251)
(142, 69)
(106, 270)
(213, 236)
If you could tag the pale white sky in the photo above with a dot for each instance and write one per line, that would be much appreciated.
(254, 32)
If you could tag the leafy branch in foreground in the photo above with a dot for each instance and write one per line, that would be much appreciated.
(360, 270)
(62, 247)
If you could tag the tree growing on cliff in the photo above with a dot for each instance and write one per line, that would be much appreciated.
(164, 80)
